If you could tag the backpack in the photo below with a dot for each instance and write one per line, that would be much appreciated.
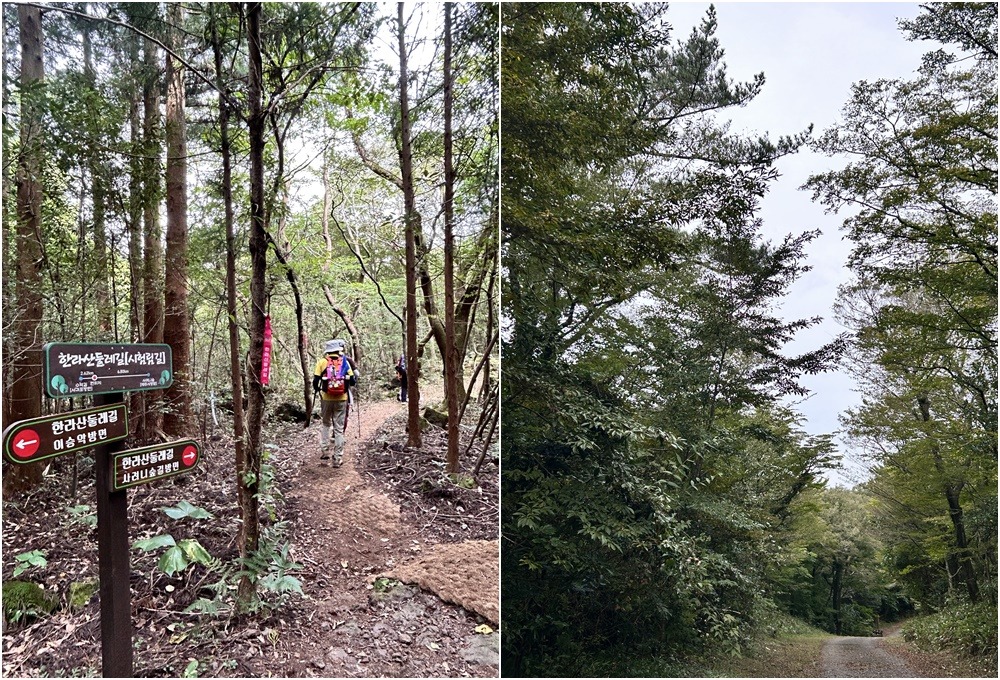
(335, 377)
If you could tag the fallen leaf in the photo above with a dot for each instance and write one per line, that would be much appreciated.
(484, 629)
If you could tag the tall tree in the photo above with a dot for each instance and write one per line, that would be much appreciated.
(451, 351)
(25, 397)
(177, 420)
(923, 178)
(250, 475)
(235, 370)
(636, 282)
(412, 224)
(97, 167)
(151, 418)
(135, 197)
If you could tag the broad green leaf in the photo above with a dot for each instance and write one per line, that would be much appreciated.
(173, 561)
(194, 551)
(186, 509)
(148, 544)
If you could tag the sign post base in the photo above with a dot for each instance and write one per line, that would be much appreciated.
(113, 560)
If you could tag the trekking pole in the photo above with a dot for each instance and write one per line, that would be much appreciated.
(347, 413)
(357, 407)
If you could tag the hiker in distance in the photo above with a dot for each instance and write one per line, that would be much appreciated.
(401, 375)
(332, 377)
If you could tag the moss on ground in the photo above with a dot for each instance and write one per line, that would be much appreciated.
(80, 592)
(25, 600)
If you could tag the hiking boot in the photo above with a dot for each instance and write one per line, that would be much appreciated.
(338, 461)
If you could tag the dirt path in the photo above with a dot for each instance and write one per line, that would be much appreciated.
(352, 540)
(862, 657)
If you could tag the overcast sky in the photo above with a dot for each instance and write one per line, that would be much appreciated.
(810, 54)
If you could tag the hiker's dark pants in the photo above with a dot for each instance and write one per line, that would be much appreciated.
(402, 384)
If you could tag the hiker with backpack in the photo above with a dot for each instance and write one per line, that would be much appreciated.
(332, 377)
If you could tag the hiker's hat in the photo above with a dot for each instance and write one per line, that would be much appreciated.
(333, 346)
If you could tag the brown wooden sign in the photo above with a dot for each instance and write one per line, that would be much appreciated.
(75, 369)
(153, 463)
(27, 441)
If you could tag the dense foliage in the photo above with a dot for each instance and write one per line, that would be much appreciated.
(646, 456)
(659, 495)
(923, 310)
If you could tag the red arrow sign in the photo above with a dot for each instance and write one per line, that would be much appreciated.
(25, 443)
(28, 441)
(153, 463)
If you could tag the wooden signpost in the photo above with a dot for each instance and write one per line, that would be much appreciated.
(105, 371)
(113, 563)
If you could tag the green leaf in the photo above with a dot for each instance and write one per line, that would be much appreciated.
(186, 509)
(173, 561)
(283, 584)
(149, 544)
(194, 551)
(203, 606)
(192, 669)
(35, 558)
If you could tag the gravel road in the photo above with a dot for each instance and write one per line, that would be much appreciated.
(862, 657)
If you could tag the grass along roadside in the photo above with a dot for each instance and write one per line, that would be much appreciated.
(941, 664)
(960, 640)
(792, 649)
(789, 649)
(784, 648)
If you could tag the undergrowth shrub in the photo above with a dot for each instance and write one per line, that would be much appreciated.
(970, 630)
(857, 619)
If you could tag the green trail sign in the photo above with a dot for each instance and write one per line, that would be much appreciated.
(153, 463)
(75, 369)
(27, 441)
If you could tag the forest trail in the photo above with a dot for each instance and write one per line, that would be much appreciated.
(863, 657)
(352, 539)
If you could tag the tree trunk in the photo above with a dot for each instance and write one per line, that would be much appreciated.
(151, 417)
(837, 594)
(325, 220)
(952, 491)
(176, 322)
(135, 198)
(258, 259)
(352, 329)
(136, 400)
(412, 224)
(300, 325)
(965, 568)
(25, 397)
(490, 323)
(99, 200)
(235, 371)
(451, 352)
